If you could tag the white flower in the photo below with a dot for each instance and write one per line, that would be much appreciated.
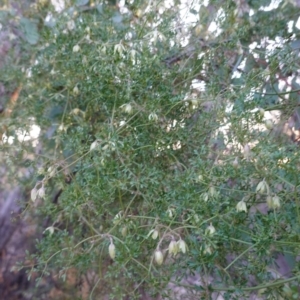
(71, 25)
(182, 246)
(158, 256)
(138, 13)
(153, 117)
(262, 187)
(119, 48)
(112, 250)
(117, 217)
(94, 145)
(173, 247)
(198, 29)
(41, 192)
(50, 229)
(241, 206)
(261, 112)
(51, 171)
(170, 212)
(269, 124)
(127, 108)
(155, 234)
(210, 230)
(273, 202)
(76, 90)
(33, 194)
(205, 197)
(213, 192)
(235, 163)
(88, 38)
(276, 202)
(76, 48)
(207, 249)
(124, 231)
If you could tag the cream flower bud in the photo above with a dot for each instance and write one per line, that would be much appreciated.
(119, 48)
(76, 48)
(94, 145)
(235, 163)
(194, 102)
(117, 218)
(212, 191)
(155, 234)
(41, 192)
(205, 197)
(207, 250)
(210, 230)
(158, 257)
(170, 212)
(273, 202)
(198, 29)
(241, 206)
(182, 246)
(124, 231)
(240, 50)
(71, 25)
(276, 202)
(76, 90)
(127, 108)
(269, 124)
(138, 13)
(153, 117)
(262, 187)
(173, 247)
(51, 171)
(261, 112)
(112, 250)
(50, 229)
(33, 194)
(200, 178)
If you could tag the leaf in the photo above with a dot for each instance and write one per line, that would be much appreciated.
(30, 30)
(82, 2)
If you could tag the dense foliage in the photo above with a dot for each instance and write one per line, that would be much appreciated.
(164, 152)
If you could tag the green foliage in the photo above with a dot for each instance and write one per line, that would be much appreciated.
(139, 152)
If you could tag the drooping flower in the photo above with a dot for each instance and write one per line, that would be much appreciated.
(241, 206)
